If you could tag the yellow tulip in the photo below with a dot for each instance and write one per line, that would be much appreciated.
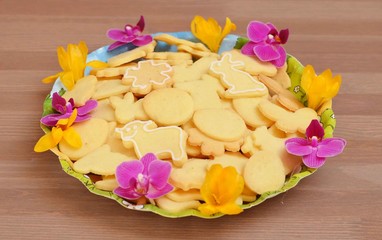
(221, 188)
(73, 64)
(210, 32)
(62, 131)
(319, 89)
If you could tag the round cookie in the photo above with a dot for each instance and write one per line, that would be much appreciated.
(220, 124)
(93, 132)
(169, 106)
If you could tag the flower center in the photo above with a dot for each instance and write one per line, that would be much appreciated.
(314, 140)
(142, 184)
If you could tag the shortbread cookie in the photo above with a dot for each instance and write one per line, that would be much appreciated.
(194, 72)
(220, 124)
(205, 92)
(252, 64)
(165, 142)
(191, 175)
(82, 90)
(127, 109)
(147, 76)
(169, 106)
(104, 110)
(175, 207)
(101, 161)
(248, 109)
(210, 146)
(93, 132)
(106, 184)
(282, 77)
(194, 52)
(237, 82)
(113, 72)
(131, 55)
(236, 160)
(108, 88)
(289, 122)
(169, 56)
(182, 196)
(171, 40)
(264, 172)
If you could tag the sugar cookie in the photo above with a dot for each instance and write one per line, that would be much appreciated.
(148, 75)
(181, 196)
(113, 72)
(191, 175)
(169, 56)
(252, 64)
(210, 146)
(169, 106)
(101, 161)
(165, 142)
(194, 72)
(108, 88)
(82, 90)
(205, 92)
(248, 109)
(220, 124)
(286, 121)
(106, 184)
(104, 110)
(175, 207)
(127, 109)
(131, 55)
(237, 82)
(171, 40)
(236, 160)
(93, 134)
(264, 172)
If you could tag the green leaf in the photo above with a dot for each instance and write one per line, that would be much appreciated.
(240, 42)
(294, 70)
(328, 121)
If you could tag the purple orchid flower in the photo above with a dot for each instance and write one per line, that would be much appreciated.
(65, 110)
(265, 43)
(145, 177)
(315, 149)
(131, 34)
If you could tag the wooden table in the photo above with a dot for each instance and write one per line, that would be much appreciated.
(343, 200)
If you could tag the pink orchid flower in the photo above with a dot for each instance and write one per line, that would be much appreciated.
(131, 34)
(145, 177)
(65, 110)
(315, 149)
(265, 43)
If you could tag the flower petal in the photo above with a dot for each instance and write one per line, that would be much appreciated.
(142, 40)
(279, 62)
(84, 50)
(331, 147)
(115, 45)
(257, 31)
(45, 143)
(72, 137)
(315, 129)
(266, 52)
(58, 102)
(52, 119)
(67, 80)
(159, 173)
(312, 161)
(87, 108)
(141, 23)
(284, 34)
(97, 64)
(63, 58)
(51, 79)
(146, 160)
(154, 193)
(128, 193)
(247, 49)
(230, 209)
(298, 146)
(127, 171)
(116, 34)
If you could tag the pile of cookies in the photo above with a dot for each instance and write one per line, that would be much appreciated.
(193, 108)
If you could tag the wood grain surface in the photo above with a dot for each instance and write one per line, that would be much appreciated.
(343, 200)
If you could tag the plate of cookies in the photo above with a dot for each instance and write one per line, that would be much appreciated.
(199, 123)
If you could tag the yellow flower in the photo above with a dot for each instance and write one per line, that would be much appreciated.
(210, 32)
(62, 131)
(220, 190)
(73, 64)
(319, 89)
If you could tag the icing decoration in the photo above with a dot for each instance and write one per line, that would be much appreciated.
(163, 141)
(147, 177)
(238, 82)
(319, 89)
(314, 149)
(130, 34)
(73, 64)
(62, 131)
(146, 74)
(265, 43)
(64, 110)
(210, 32)
(220, 190)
